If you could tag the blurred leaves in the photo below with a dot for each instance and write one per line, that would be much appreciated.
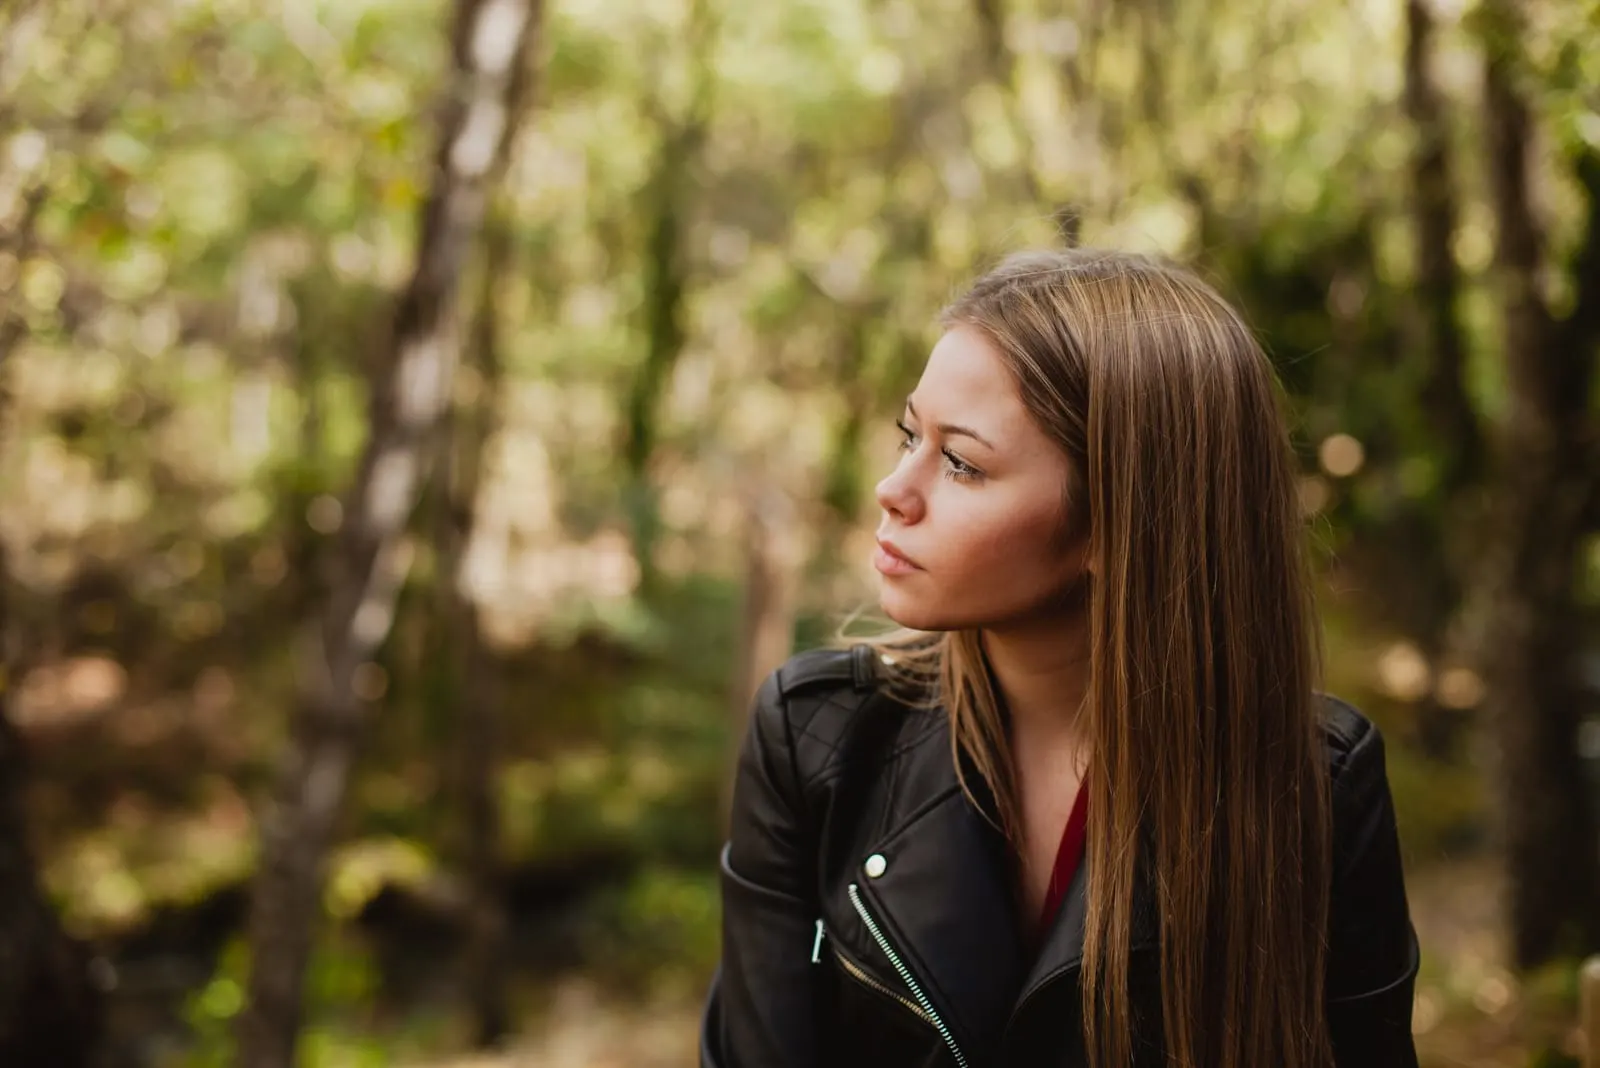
(206, 206)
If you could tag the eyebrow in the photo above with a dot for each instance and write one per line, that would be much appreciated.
(953, 429)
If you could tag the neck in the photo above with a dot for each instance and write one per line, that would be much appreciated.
(1042, 669)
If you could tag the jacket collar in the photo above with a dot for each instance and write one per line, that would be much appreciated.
(946, 896)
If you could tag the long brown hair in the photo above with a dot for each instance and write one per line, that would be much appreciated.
(1208, 771)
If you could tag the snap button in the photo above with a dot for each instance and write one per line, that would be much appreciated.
(876, 865)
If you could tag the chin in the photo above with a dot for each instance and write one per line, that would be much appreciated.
(908, 612)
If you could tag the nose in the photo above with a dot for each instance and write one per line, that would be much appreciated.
(898, 497)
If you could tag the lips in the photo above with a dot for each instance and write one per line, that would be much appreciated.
(889, 547)
(891, 560)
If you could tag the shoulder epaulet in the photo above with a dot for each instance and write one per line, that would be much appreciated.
(1346, 729)
(819, 667)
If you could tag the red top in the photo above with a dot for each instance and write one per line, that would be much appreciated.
(1069, 854)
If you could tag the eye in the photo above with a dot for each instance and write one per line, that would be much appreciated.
(910, 440)
(959, 469)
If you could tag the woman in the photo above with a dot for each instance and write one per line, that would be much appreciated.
(1086, 808)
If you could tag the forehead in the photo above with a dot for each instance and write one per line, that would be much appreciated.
(966, 381)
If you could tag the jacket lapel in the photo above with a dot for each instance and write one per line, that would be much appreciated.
(943, 896)
(1061, 951)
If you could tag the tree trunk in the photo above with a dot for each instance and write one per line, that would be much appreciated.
(475, 425)
(665, 284)
(1452, 434)
(1433, 191)
(487, 966)
(410, 392)
(1001, 68)
(1529, 610)
(766, 625)
(50, 1011)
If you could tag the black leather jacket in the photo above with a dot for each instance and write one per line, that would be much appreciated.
(868, 917)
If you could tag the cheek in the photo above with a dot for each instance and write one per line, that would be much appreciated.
(998, 551)
(990, 526)
(984, 566)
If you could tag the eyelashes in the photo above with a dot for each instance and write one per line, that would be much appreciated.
(955, 468)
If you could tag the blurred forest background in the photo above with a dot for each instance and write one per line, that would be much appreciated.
(424, 420)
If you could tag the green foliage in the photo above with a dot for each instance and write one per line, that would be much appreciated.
(1553, 1058)
(341, 984)
(651, 792)
(359, 870)
(210, 1010)
(228, 195)
(657, 932)
(1441, 808)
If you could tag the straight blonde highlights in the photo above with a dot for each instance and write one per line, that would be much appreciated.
(1208, 778)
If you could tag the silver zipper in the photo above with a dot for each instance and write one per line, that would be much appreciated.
(872, 984)
(906, 976)
(855, 972)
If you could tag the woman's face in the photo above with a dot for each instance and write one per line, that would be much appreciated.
(973, 512)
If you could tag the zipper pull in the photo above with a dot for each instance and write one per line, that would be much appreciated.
(816, 946)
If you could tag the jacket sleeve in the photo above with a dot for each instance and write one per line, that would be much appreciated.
(1372, 948)
(759, 1013)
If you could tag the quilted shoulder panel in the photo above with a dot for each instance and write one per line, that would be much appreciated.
(824, 691)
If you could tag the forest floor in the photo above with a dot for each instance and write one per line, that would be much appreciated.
(583, 1028)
